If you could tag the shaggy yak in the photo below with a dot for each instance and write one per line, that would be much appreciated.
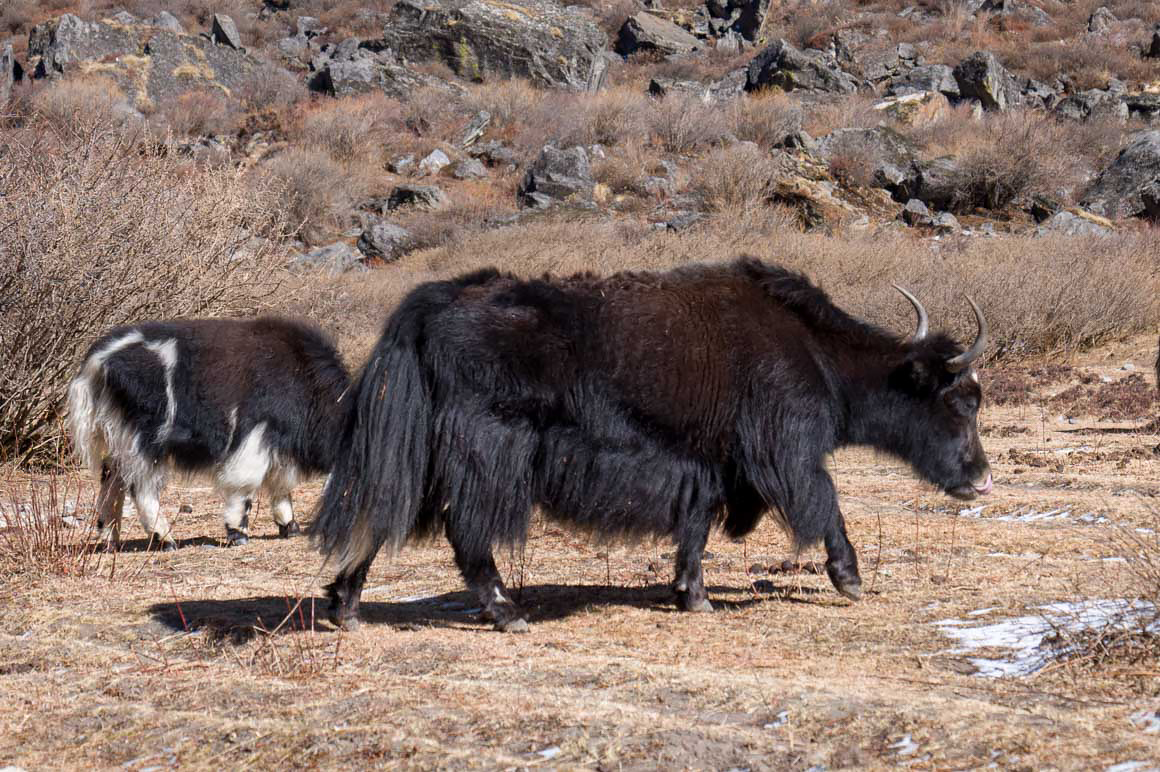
(636, 405)
(252, 404)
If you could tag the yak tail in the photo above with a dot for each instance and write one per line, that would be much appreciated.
(376, 486)
(82, 420)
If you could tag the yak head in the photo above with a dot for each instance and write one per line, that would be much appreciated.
(936, 392)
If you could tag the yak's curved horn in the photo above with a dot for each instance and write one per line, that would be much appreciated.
(955, 364)
(923, 322)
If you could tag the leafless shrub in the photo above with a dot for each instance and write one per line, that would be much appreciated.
(350, 131)
(77, 104)
(735, 179)
(197, 114)
(319, 191)
(270, 88)
(684, 124)
(40, 531)
(766, 118)
(97, 231)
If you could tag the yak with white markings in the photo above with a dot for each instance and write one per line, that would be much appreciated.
(642, 404)
(251, 404)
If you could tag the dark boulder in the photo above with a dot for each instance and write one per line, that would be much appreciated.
(729, 86)
(537, 39)
(928, 77)
(1092, 103)
(421, 196)
(980, 76)
(224, 32)
(782, 66)
(1144, 106)
(557, 175)
(384, 241)
(1130, 185)
(644, 32)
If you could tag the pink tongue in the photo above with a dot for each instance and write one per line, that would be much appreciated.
(986, 487)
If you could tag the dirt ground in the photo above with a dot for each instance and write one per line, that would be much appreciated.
(188, 659)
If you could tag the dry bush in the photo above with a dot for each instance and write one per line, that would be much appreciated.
(1040, 295)
(508, 101)
(684, 124)
(626, 166)
(40, 530)
(471, 207)
(735, 179)
(351, 131)
(268, 87)
(96, 231)
(77, 104)
(766, 118)
(198, 114)
(432, 113)
(319, 192)
(849, 111)
(610, 117)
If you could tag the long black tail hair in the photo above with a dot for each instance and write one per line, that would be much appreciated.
(380, 476)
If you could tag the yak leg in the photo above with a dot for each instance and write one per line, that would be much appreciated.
(482, 577)
(284, 515)
(237, 517)
(147, 500)
(345, 592)
(690, 583)
(841, 559)
(110, 504)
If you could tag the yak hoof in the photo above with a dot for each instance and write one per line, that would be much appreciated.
(235, 538)
(851, 590)
(343, 620)
(349, 625)
(700, 606)
(168, 545)
(290, 529)
(517, 625)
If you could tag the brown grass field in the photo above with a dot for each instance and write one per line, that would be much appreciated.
(190, 659)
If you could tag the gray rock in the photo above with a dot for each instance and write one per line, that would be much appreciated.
(384, 241)
(787, 68)
(10, 73)
(401, 165)
(349, 70)
(495, 154)
(1101, 21)
(151, 64)
(915, 213)
(1144, 106)
(309, 27)
(224, 32)
(1130, 185)
(537, 39)
(646, 32)
(1092, 103)
(167, 21)
(936, 182)
(892, 156)
(434, 162)
(1017, 9)
(124, 17)
(475, 129)
(1039, 94)
(980, 76)
(682, 221)
(561, 175)
(1069, 224)
(731, 86)
(945, 222)
(733, 19)
(468, 169)
(422, 196)
(1043, 207)
(929, 77)
(333, 259)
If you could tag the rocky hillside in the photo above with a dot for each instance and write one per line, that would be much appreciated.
(398, 126)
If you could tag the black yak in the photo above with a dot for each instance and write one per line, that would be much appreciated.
(634, 405)
(252, 404)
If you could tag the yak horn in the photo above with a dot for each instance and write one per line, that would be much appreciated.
(921, 327)
(955, 364)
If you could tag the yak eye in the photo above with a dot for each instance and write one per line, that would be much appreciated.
(963, 404)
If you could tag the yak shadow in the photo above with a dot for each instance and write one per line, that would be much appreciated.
(241, 619)
(152, 545)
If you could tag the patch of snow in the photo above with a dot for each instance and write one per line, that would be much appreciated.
(1147, 721)
(549, 753)
(905, 746)
(1132, 766)
(983, 611)
(1024, 636)
(781, 719)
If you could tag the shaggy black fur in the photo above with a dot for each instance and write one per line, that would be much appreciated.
(639, 404)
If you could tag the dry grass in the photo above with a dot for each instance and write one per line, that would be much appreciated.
(96, 231)
(735, 180)
(77, 104)
(684, 124)
(198, 114)
(40, 531)
(320, 193)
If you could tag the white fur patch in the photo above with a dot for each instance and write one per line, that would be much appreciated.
(246, 467)
(166, 351)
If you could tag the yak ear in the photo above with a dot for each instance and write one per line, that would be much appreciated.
(916, 377)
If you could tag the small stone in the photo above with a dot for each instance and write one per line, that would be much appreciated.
(435, 161)
(469, 169)
(224, 32)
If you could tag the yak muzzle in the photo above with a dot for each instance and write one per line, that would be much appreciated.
(974, 490)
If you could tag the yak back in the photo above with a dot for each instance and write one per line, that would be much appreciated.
(229, 376)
